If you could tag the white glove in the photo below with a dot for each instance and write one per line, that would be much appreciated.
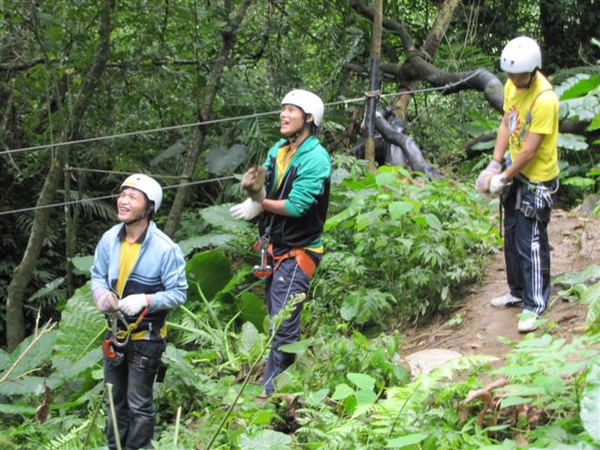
(105, 300)
(498, 183)
(247, 210)
(133, 304)
(483, 180)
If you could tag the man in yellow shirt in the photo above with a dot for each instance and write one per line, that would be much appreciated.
(529, 130)
(138, 275)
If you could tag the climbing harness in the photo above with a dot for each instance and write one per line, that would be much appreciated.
(120, 337)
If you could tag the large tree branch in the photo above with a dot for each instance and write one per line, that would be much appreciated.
(440, 26)
(398, 28)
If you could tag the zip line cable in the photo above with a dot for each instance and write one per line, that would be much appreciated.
(83, 169)
(154, 130)
(105, 197)
(214, 121)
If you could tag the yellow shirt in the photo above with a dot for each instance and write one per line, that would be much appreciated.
(127, 258)
(540, 103)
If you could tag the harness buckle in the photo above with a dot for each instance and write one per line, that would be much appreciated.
(263, 270)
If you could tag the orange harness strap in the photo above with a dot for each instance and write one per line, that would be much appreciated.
(306, 263)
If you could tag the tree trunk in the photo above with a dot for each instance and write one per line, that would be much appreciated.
(15, 324)
(193, 152)
(371, 106)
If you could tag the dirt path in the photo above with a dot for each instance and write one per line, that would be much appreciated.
(478, 328)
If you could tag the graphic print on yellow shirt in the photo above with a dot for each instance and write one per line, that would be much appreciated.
(534, 110)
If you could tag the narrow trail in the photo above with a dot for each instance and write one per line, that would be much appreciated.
(478, 328)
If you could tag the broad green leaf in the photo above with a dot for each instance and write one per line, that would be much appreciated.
(205, 241)
(252, 308)
(317, 398)
(361, 380)
(580, 182)
(221, 160)
(26, 386)
(82, 264)
(211, 270)
(49, 287)
(574, 142)
(386, 179)
(433, 222)
(513, 401)
(350, 306)
(16, 409)
(581, 276)
(297, 347)
(591, 297)
(220, 217)
(590, 403)
(365, 397)
(249, 337)
(582, 87)
(594, 124)
(172, 151)
(29, 356)
(68, 369)
(265, 440)
(405, 441)
(81, 327)
(342, 391)
(486, 145)
(399, 209)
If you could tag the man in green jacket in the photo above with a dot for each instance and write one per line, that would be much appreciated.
(292, 208)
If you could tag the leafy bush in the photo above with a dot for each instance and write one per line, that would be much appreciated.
(396, 244)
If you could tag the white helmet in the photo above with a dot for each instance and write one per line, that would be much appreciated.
(147, 185)
(521, 55)
(307, 101)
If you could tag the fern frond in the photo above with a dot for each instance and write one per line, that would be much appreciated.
(70, 441)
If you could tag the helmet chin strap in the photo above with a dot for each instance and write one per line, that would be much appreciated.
(141, 216)
(297, 134)
(531, 76)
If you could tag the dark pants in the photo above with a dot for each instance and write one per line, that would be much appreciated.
(133, 382)
(287, 280)
(526, 247)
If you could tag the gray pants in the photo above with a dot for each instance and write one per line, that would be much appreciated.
(287, 280)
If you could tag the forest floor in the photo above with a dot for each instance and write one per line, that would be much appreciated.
(478, 328)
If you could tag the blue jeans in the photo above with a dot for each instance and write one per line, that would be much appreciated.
(526, 246)
(287, 280)
(133, 380)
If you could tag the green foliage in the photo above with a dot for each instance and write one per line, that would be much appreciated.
(580, 100)
(579, 287)
(548, 374)
(398, 244)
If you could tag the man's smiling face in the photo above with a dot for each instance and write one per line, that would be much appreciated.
(131, 204)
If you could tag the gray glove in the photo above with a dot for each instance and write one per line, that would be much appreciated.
(105, 300)
(253, 183)
(482, 184)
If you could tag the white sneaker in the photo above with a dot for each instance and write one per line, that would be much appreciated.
(505, 300)
(528, 322)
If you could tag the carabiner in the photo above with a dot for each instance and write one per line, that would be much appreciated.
(115, 318)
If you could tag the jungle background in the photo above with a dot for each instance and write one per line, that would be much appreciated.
(189, 92)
